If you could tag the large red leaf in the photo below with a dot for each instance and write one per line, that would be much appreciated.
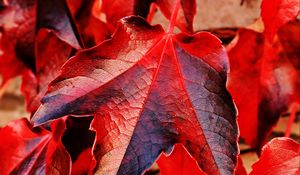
(179, 162)
(276, 13)
(263, 81)
(26, 151)
(149, 90)
(51, 53)
(279, 156)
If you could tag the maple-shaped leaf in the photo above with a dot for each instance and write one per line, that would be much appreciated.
(279, 156)
(149, 90)
(263, 82)
(276, 13)
(179, 162)
(36, 151)
(51, 53)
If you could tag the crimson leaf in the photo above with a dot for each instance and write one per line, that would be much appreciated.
(276, 13)
(149, 90)
(47, 45)
(279, 156)
(35, 151)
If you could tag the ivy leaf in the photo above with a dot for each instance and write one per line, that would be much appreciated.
(47, 45)
(276, 13)
(279, 156)
(28, 151)
(263, 81)
(179, 162)
(149, 90)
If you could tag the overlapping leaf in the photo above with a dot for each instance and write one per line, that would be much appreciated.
(37, 151)
(276, 13)
(51, 53)
(149, 90)
(279, 156)
(19, 20)
(264, 82)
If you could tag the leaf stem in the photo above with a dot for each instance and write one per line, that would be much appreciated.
(292, 117)
(174, 16)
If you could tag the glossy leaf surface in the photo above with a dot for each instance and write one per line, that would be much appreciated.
(149, 90)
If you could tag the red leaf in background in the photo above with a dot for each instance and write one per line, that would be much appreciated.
(179, 162)
(117, 9)
(51, 53)
(149, 90)
(17, 24)
(186, 13)
(289, 37)
(279, 156)
(37, 151)
(92, 30)
(276, 13)
(55, 15)
(263, 81)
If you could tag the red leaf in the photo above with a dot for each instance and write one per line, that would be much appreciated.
(28, 151)
(149, 90)
(55, 15)
(279, 156)
(263, 82)
(91, 29)
(51, 54)
(179, 162)
(117, 9)
(17, 21)
(276, 13)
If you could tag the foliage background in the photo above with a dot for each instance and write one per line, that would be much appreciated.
(211, 14)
